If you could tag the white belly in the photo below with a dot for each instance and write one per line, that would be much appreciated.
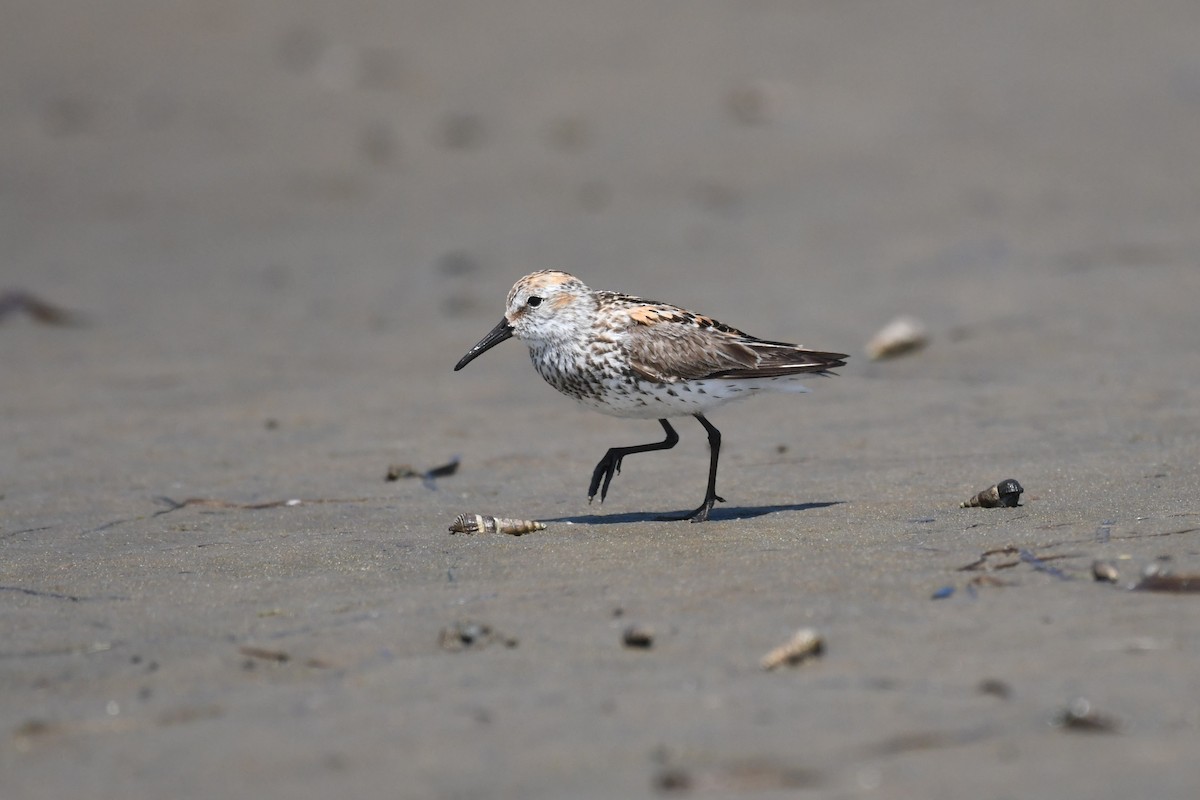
(644, 400)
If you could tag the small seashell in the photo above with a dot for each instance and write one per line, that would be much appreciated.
(482, 523)
(638, 637)
(1005, 494)
(804, 644)
(1080, 716)
(1155, 578)
(1105, 571)
(900, 336)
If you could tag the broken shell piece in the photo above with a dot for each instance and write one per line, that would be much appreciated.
(1005, 494)
(804, 644)
(1105, 571)
(397, 471)
(482, 523)
(465, 634)
(900, 336)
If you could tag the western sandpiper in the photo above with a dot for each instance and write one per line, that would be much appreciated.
(630, 357)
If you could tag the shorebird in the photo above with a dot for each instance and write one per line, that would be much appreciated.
(630, 357)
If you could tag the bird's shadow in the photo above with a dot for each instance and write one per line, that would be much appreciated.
(718, 514)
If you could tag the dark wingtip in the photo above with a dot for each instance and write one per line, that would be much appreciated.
(832, 360)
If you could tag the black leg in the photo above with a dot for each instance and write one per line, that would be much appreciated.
(710, 494)
(610, 465)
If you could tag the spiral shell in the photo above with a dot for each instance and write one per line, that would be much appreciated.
(1005, 494)
(482, 523)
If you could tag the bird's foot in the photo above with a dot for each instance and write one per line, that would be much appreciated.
(606, 470)
(698, 515)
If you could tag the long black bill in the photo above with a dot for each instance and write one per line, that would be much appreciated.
(498, 334)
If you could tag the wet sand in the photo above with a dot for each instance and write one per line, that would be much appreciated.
(280, 226)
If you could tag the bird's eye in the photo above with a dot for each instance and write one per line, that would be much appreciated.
(534, 302)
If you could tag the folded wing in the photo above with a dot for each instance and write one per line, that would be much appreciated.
(675, 345)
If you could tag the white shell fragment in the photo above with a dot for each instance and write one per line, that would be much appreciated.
(482, 523)
(900, 336)
(805, 644)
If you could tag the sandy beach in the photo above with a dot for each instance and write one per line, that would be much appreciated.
(265, 232)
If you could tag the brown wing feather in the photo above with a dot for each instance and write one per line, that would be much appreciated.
(679, 346)
(779, 359)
